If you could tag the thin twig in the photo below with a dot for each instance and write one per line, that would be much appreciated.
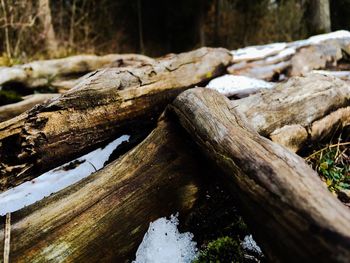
(92, 165)
(7, 238)
(325, 148)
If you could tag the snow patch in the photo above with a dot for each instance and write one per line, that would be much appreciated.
(241, 86)
(56, 179)
(284, 54)
(164, 244)
(250, 245)
(314, 40)
(257, 52)
(333, 35)
(283, 49)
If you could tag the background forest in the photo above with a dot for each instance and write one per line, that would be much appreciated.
(241, 135)
(45, 29)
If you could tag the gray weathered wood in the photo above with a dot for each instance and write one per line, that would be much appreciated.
(43, 72)
(289, 112)
(106, 104)
(291, 213)
(104, 217)
(12, 110)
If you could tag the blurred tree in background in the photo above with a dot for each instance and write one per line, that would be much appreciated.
(340, 14)
(44, 28)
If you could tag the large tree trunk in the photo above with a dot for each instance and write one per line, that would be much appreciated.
(292, 214)
(104, 217)
(108, 103)
(49, 32)
(320, 18)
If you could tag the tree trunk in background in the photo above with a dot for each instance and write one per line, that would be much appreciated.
(217, 22)
(139, 17)
(46, 20)
(320, 19)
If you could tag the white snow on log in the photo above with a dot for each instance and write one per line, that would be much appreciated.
(340, 34)
(318, 39)
(250, 245)
(56, 179)
(281, 50)
(284, 54)
(164, 244)
(230, 85)
(337, 74)
(257, 52)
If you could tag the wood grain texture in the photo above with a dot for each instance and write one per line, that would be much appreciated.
(42, 73)
(289, 112)
(284, 60)
(106, 104)
(14, 109)
(291, 213)
(104, 217)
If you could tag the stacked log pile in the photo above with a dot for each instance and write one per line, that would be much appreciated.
(250, 142)
(283, 60)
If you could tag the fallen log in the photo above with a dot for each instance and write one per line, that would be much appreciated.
(12, 110)
(103, 217)
(42, 73)
(282, 60)
(291, 213)
(291, 113)
(108, 103)
(344, 74)
(316, 57)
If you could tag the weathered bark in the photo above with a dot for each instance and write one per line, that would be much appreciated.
(344, 75)
(108, 103)
(277, 61)
(316, 57)
(11, 110)
(42, 73)
(62, 85)
(289, 112)
(104, 217)
(292, 215)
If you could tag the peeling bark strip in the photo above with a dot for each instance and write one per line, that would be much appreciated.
(103, 217)
(292, 215)
(108, 103)
(289, 112)
(42, 73)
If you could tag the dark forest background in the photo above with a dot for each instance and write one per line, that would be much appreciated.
(43, 28)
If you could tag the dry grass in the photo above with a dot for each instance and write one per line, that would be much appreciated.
(332, 162)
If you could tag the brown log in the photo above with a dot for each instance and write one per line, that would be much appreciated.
(291, 213)
(42, 73)
(12, 110)
(108, 103)
(291, 112)
(104, 217)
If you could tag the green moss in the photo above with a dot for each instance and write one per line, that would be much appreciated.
(332, 162)
(7, 97)
(223, 249)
